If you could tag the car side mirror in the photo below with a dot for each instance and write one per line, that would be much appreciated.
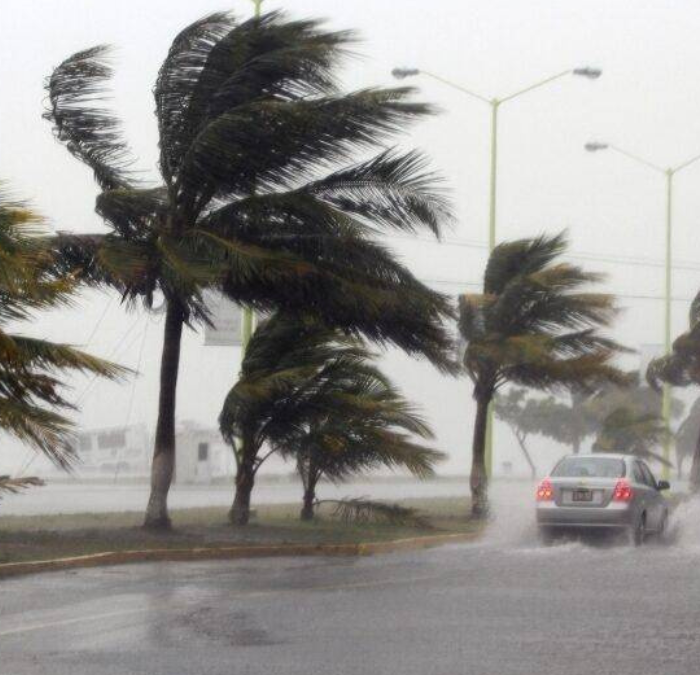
(663, 485)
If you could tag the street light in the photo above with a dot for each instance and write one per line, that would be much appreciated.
(495, 103)
(669, 173)
(248, 317)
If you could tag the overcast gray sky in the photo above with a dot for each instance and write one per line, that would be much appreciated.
(648, 102)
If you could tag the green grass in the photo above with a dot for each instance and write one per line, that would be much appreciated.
(26, 538)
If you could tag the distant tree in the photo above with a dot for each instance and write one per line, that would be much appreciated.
(533, 326)
(681, 368)
(522, 415)
(583, 413)
(273, 184)
(628, 431)
(33, 403)
(311, 393)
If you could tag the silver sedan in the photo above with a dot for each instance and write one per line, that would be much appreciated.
(602, 491)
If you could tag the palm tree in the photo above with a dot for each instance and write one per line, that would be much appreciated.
(258, 195)
(686, 437)
(533, 326)
(363, 423)
(32, 401)
(278, 383)
(681, 368)
(306, 390)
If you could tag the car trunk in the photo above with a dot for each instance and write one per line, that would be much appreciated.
(583, 492)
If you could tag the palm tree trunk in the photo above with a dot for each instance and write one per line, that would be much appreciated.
(577, 445)
(695, 469)
(533, 468)
(163, 467)
(245, 482)
(312, 476)
(478, 481)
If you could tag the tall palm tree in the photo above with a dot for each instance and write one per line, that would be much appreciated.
(258, 196)
(305, 389)
(32, 400)
(681, 368)
(535, 326)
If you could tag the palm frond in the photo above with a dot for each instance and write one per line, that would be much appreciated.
(293, 139)
(11, 485)
(364, 510)
(90, 132)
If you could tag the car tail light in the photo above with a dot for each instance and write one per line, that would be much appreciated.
(623, 491)
(545, 492)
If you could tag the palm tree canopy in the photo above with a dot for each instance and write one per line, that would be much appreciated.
(306, 388)
(681, 367)
(31, 396)
(259, 196)
(534, 324)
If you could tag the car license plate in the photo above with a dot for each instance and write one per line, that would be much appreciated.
(582, 496)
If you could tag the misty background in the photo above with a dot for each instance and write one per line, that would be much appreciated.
(647, 102)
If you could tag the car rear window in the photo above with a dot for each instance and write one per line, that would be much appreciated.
(589, 467)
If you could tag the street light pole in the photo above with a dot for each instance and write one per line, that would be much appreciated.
(247, 322)
(495, 104)
(666, 397)
(494, 171)
(669, 174)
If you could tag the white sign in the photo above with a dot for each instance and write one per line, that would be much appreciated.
(226, 317)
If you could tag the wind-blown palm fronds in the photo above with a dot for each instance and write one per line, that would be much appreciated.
(259, 197)
(32, 402)
(533, 326)
(681, 368)
(10, 485)
(312, 394)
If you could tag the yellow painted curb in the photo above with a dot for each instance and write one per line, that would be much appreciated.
(231, 553)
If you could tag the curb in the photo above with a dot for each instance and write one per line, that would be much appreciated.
(109, 558)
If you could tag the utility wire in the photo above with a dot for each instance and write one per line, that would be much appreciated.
(474, 244)
(133, 391)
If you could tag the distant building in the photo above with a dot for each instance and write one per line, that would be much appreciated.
(126, 452)
(202, 456)
(114, 451)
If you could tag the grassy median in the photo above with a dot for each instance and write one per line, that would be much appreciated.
(29, 538)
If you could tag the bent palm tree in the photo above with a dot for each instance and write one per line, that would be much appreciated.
(306, 389)
(32, 403)
(681, 368)
(259, 196)
(365, 424)
(533, 326)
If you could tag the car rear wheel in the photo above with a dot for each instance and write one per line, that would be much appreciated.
(663, 526)
(638, 531)
(546, 535)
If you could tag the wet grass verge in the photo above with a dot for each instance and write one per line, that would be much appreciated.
(33, 538)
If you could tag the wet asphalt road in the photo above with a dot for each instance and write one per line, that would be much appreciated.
(498, 607)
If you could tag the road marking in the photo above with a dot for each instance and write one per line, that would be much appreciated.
(68, 622)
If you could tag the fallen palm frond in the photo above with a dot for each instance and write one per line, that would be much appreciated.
(363, 510)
